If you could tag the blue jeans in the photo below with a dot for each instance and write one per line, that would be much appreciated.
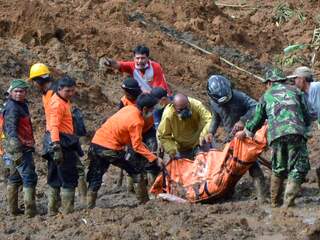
(25, 173)
(157, 115)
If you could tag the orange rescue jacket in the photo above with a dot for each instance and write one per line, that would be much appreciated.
(46, 100)
(148, 124)
(121, 129)
(59, 117)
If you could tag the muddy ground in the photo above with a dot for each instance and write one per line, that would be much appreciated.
(71, 36)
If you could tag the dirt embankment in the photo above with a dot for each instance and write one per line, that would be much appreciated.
(70, 36)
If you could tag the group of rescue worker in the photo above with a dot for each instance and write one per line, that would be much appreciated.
(152, 121)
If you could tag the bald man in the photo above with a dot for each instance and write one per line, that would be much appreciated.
(184, 122)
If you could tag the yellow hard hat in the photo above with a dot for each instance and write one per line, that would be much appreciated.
(38, 70)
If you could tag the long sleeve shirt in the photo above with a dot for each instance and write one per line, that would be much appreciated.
(157, 78)
(176, 134)
(17, 124)
(240, 107)
(313, 96)
(121, 129)
(59, 117)
(286, 111)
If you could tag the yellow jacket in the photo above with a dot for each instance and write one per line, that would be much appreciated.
(180, 135)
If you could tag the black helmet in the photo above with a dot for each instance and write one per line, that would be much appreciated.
(219, 89)
(131, 86)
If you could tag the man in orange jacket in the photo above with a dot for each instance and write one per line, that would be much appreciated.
(108, 147)
(40, 75)
(147, 73)
(132, 91)
(64, 150)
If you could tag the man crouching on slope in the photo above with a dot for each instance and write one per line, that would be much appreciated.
(107, 147)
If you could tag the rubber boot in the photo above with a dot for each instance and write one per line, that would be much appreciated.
(276, 189)
(130, 187)
(91, 199)
(53, 201)
(259, 185)
(82, 190)
(292, 190)
(67, 200)
(29, 197)
(12, 199)
(141, 191)
(318, 176)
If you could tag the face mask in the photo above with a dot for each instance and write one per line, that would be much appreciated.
(159, 106)
(185, 114)
(147, 115)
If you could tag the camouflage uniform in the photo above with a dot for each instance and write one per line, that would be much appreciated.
(288, 119)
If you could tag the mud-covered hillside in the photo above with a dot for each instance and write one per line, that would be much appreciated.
(71, 36)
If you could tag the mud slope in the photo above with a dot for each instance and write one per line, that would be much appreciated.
(71, 36)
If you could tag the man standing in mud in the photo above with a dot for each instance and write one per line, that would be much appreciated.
(184, 123)
(19, 146)
(40, 75)
(108, 147)
(63, 149)
(285, 109)
(303, 77)
(146, 72)
(232, 109)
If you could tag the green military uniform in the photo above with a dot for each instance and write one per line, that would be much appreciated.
(288, 121)
(284, 107)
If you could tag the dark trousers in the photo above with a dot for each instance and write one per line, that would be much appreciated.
(64, 175)
(255, 170)
(188, 154)
(100, 160)
(25, 172)
(149, 138)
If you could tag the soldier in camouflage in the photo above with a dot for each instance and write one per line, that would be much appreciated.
(285, 109)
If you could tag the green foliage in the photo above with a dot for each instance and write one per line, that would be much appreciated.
(316, 37)
(301, 16)
(293, 48)
(284, 12)
(292, 55)
(287, 61)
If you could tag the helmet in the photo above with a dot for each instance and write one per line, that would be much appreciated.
(38, 69)
(274, 75)
(219, 89)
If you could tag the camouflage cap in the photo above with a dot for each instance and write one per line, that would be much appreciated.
(274, 75)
